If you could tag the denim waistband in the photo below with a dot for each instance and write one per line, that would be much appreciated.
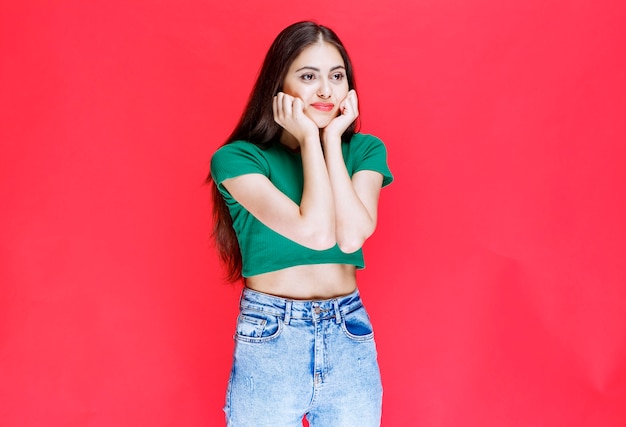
(300, 309)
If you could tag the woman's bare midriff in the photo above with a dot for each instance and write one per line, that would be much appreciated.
(306, 282)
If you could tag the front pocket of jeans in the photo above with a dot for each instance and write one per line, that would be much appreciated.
(357, 326)
(257, 326)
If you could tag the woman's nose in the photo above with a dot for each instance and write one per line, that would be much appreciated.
(324, 90)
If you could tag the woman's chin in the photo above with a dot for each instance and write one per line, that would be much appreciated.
(321, 122)
(321, 119)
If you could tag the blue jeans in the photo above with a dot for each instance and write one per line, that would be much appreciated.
(295, 358)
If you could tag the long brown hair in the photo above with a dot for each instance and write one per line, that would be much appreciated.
(257, 124)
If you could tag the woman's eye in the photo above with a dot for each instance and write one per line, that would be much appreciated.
(307, 77)
(338, 76)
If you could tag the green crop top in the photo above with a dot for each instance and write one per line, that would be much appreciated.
(262, 249)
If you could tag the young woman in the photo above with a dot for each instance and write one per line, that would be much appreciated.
(295, 194)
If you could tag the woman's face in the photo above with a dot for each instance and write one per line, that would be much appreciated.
(318, 77)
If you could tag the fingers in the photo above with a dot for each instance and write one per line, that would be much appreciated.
(280, 107)
(289, 114)
(297, 105)
(285, 107)
(348, 112)
(349, 107)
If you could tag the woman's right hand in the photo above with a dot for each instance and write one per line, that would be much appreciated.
(289, 113)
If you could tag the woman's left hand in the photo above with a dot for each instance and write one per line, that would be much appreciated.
(348, 112)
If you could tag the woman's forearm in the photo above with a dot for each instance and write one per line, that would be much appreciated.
(317, 206)
(354, 223)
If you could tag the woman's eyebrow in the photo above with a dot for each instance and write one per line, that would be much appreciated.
(307, 67)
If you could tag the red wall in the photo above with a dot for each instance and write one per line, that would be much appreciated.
(496, 279)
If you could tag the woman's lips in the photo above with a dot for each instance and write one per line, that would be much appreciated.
(323, 106)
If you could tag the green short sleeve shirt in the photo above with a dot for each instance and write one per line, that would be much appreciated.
(262, 249)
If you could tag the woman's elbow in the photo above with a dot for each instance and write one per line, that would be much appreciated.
(349, 247)
(350, 242)
(322, 244)
(321, 240)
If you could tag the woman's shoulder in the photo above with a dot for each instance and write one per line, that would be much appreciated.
(365, 142)
(368, 152)
(238, 146)
(240, 150)
(236, 158)
(365, 139)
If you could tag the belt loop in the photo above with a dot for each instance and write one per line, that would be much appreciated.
(287, 312)
(337, 312)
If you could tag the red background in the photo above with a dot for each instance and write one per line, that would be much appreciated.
(495, 279)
